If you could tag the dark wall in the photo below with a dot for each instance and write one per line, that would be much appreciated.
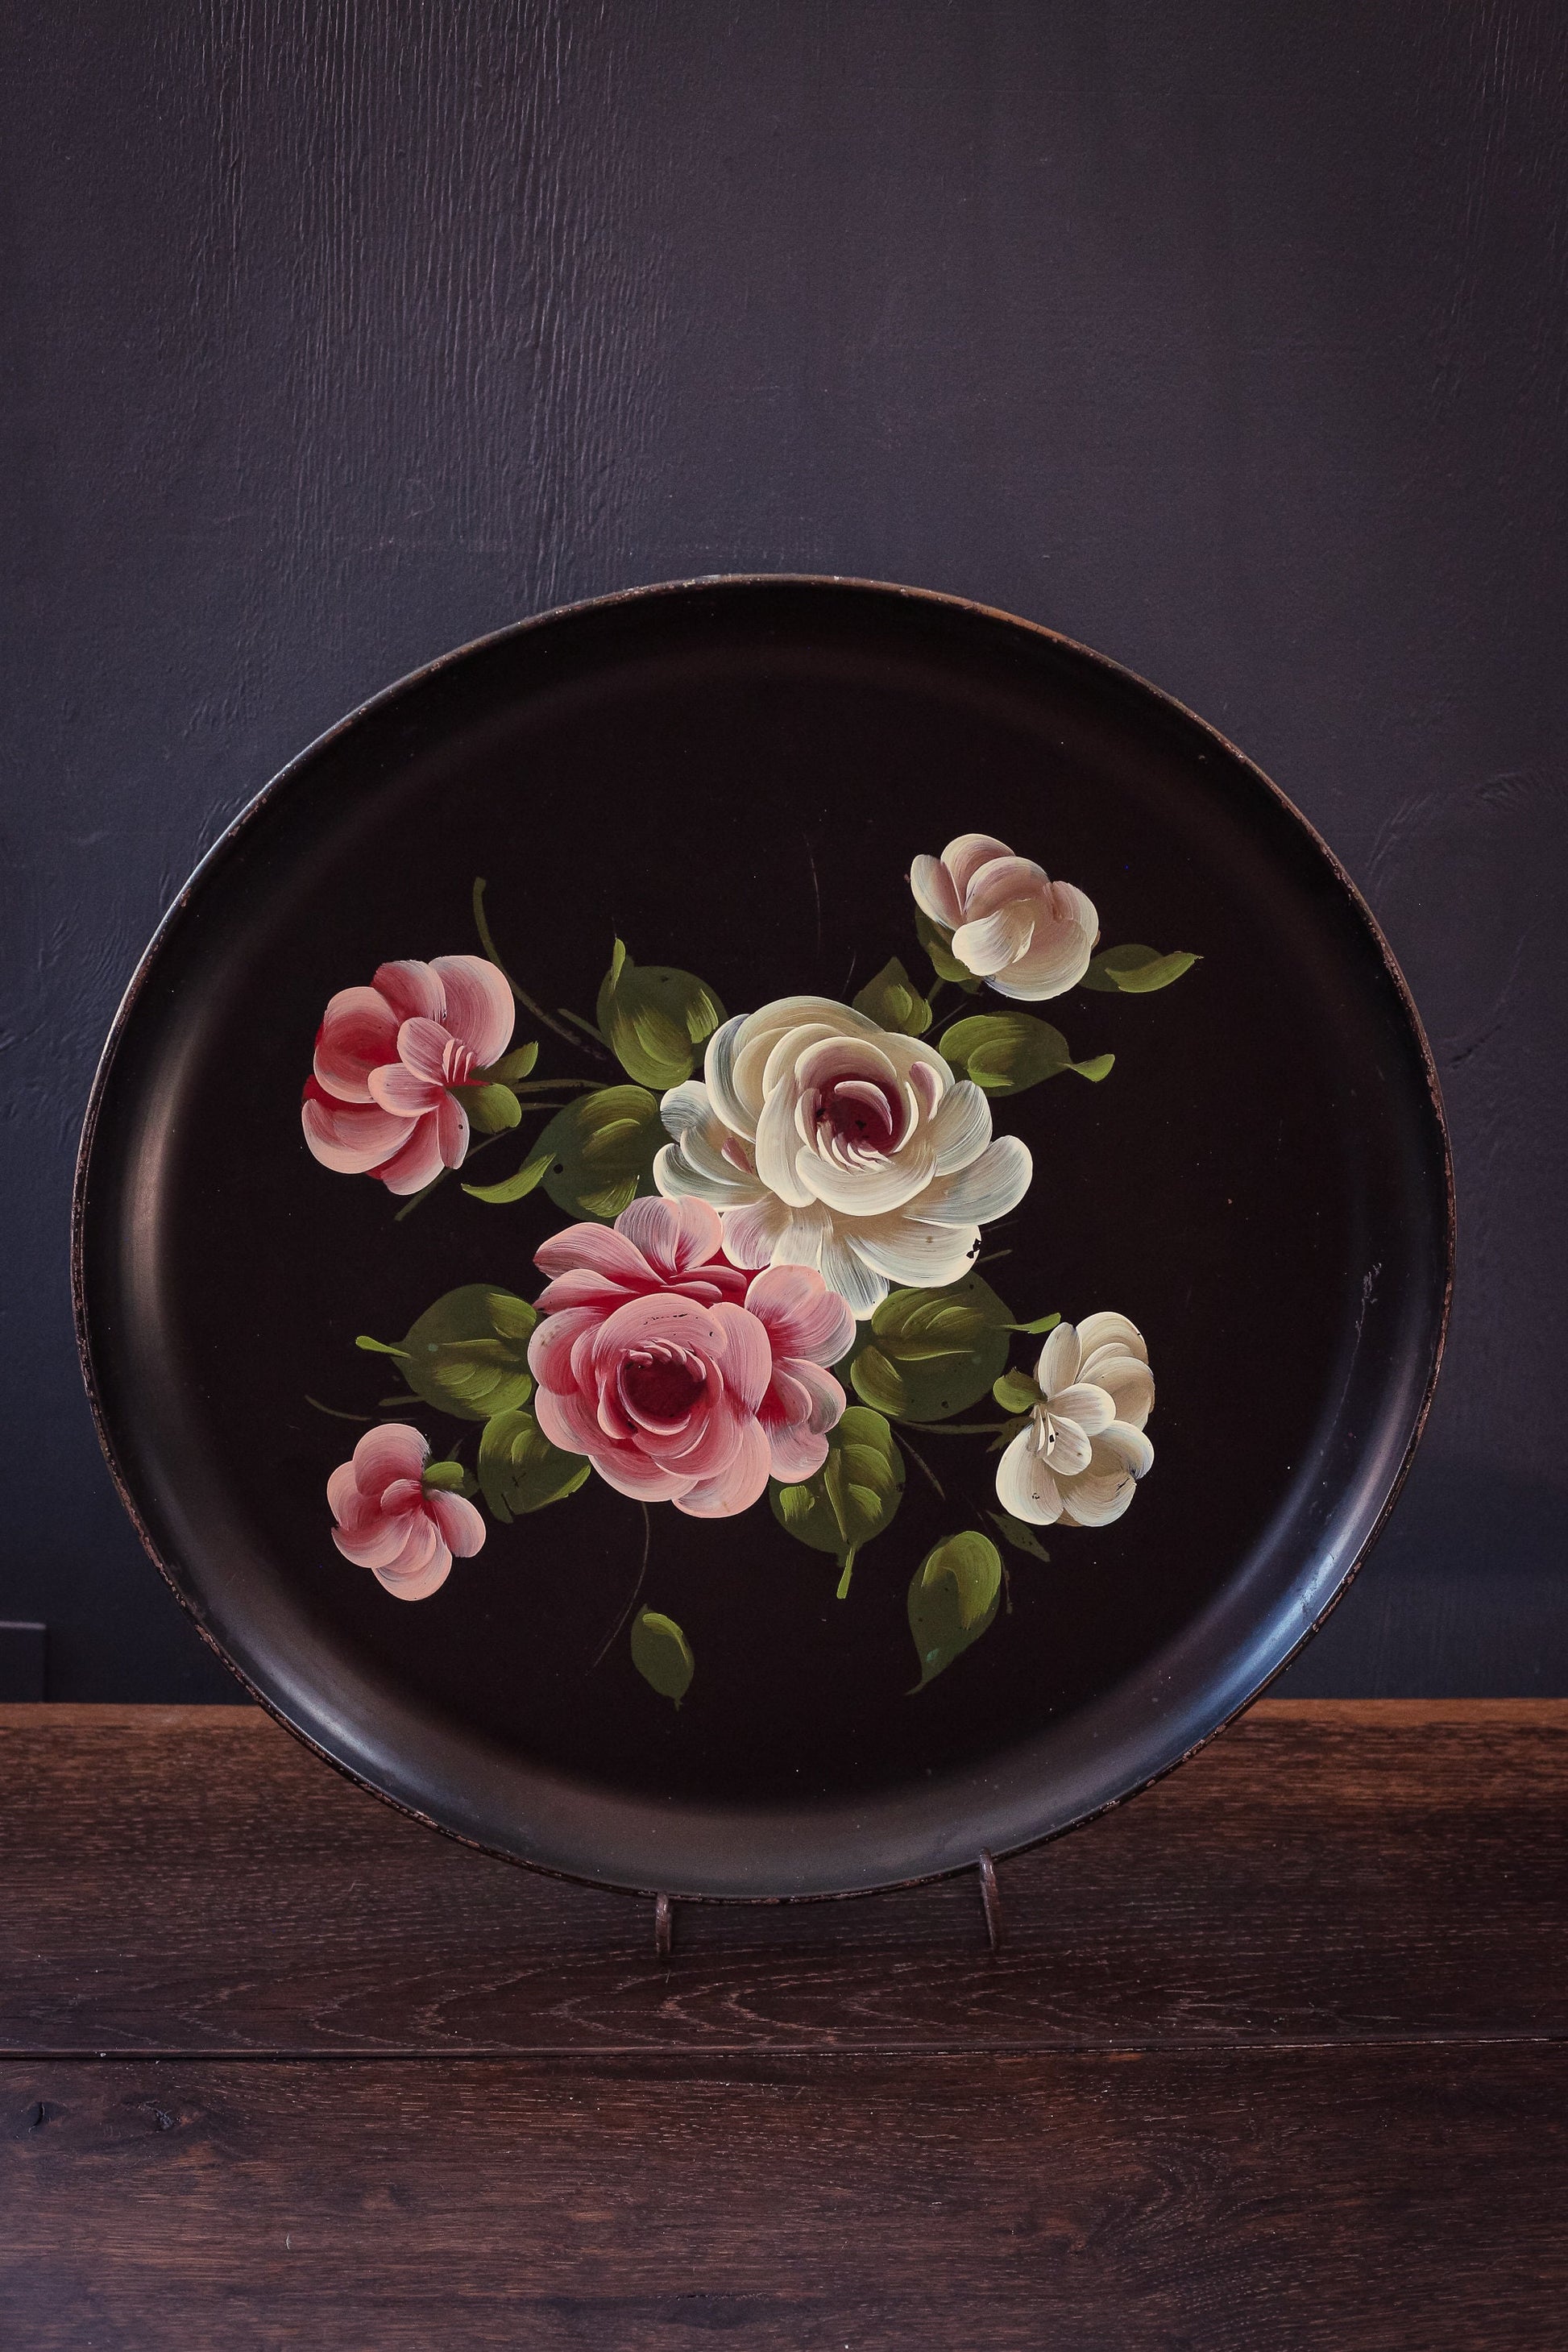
(1230, 340)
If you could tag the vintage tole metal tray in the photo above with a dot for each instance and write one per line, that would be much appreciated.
(763, 1235)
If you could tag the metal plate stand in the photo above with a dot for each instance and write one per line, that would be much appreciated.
(990, 1900)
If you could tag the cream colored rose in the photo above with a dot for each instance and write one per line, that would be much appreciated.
(824, 1140)
(1029, 937)
(1083, 1449)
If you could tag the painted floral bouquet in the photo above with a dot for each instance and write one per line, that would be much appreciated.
(747, 1249)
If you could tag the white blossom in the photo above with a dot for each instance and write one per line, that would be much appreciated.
(1083, 1449)
(824, 1140)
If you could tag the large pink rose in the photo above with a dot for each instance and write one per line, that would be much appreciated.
(683, 1379)
(380, 1102)
(391, 1522)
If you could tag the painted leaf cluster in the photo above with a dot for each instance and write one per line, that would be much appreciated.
(893, 1001)
(491, 1108)
(1005, 1052)
(1016, 1392)
(937, 942)
(1021, 1536)
(853, 1496)
(515, 1066)
(1135, 971)
(447, 1477)
(520, 1471)
(931, 1354)
(953, 1600)
(656, 1019)
(468, 1354)
(662, 1655)
(594, 1158)
(922, 1358)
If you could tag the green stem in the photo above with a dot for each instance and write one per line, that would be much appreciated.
(414, 1199)
(335, 1413)
(521, 994)
(412, 1203)
(636, 1589)
(950, 1429)
(843, 1591)
(589, 1028)
(922, 1464)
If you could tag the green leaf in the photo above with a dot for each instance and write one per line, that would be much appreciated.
(1041, 1324)
(602, 1151)
(1020, 1534)
(515, 1065)
(929, 1354)
(594, 1158)
(469, 1353)
(512, 1317)
(1015, 1392)
(491, 1108)
(952, 1599)
(1136, 971)
(893, 1001)
(853, 1496)
(449, 1476)
(656, 1019)
(1005, 1052)
(519, 1470)
(662, 1655)
(515, 1188)
(937, 942)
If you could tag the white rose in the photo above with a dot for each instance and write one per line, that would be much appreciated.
(1084, 1447)
(1029, 937)
(824, 1140)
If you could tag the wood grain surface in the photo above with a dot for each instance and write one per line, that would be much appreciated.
(191, 1879)
(1329, 2198)
(1274, 2057)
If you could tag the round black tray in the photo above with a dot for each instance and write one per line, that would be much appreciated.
(734, 775)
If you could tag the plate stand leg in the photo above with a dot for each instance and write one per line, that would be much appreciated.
(663, 1929)
(992, 1901)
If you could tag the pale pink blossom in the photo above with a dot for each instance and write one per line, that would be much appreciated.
(380, 1100)
(682, 1377)
(1029, 937)
(391, 1522)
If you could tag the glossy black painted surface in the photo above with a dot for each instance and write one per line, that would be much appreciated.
(734, 776)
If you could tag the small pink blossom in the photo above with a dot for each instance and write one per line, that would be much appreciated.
(380, 1100)
(391, 1522)
(682, 1377)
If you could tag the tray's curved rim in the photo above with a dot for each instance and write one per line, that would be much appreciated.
(648, 594)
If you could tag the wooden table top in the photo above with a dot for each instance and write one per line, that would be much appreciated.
(1273, 2056)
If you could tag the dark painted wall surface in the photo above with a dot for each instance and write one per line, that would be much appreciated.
(1233, 340)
